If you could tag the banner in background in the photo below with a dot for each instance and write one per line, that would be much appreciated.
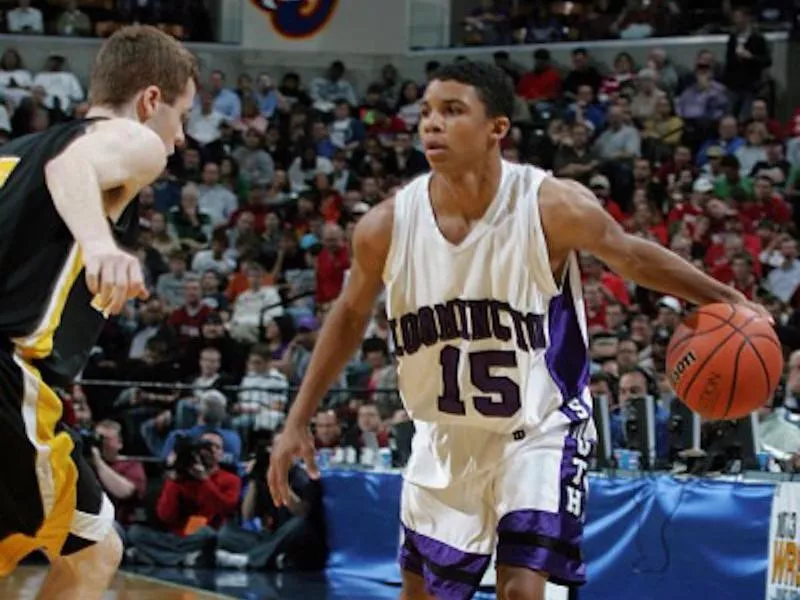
(325, 29)
(783, 573)
(297, 19)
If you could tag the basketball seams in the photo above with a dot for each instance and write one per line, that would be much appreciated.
(675, 344)
(763, 363)
(770, 339)
(734, 376)
(701, 366)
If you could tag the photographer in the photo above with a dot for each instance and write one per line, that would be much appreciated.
(123, 480)
(289, 537)
(195, 501)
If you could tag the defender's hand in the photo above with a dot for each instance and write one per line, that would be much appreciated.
(113, 276)
(294, 442)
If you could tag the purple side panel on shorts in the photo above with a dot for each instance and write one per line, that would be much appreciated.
(561, 570)
(449, 573)
(559, 526)
(567, 356)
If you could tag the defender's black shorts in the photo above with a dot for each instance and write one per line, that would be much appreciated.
(50, 498)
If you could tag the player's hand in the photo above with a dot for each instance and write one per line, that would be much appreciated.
(294, 442)
(113, 276)
(760, 309)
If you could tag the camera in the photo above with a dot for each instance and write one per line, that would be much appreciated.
(90, 439)
(261, 457)
(187, 455)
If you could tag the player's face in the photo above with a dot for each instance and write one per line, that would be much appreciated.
(454, 126)
(167, 120)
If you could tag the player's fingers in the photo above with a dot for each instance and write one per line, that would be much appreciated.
(311, 461)
(136, 287)
(119, 295)
(92, 272)
(279, 479)
(107, 280)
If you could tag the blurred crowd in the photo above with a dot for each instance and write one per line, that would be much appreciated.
(503, 22)
(185, 19)
(245, 241)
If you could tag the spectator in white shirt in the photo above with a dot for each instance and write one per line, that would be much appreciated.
(782, 281)
(305, 167)
(15, 79)
(25, 19)
(263, 395)
(62, 87)
(327, 91)
(214, 258)
(217, 201)
(254, 307)
(204, 121)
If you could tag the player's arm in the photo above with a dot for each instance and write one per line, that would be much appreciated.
(115, 155)
(573, 219)
(339, 339)
(107, 164)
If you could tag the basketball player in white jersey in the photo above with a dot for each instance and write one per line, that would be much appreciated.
(484, 299)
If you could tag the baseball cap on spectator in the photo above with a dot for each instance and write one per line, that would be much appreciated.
(672, 303)
(715, 152)
(305, 323)
(599, 181)
(702, 185)
(661, 336)
(360, 208)
(308, 241)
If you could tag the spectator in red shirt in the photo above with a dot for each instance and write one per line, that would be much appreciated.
(332, 263)
(192, 506)
(689, 212)
(595, 306)
(681, 159)
(612, 285)
(765, 204)
(189, 318)
(743, 278)
(543, 83)
(601, 187)
(123, 480)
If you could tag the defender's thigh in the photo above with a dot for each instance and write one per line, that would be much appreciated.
(540, 495)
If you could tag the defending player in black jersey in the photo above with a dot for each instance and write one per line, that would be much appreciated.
(63, 199)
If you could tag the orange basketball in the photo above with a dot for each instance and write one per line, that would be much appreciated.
(724, 361)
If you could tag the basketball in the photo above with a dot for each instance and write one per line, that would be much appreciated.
(724, 361)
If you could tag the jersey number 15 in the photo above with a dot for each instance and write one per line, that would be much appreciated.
(480, 365)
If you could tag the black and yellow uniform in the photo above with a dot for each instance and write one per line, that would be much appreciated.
(50, 498)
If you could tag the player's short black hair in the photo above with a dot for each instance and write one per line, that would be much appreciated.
(491, 83)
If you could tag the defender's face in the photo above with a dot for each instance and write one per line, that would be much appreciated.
(454, 126)
(168, 120)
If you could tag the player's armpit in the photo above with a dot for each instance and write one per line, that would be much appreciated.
(573, 219)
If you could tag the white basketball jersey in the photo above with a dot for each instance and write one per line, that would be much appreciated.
(485, 337)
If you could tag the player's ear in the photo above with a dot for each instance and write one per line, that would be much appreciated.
(500, 127)
(148, 102)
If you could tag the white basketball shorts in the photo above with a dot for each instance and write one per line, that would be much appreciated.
(529, 508)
